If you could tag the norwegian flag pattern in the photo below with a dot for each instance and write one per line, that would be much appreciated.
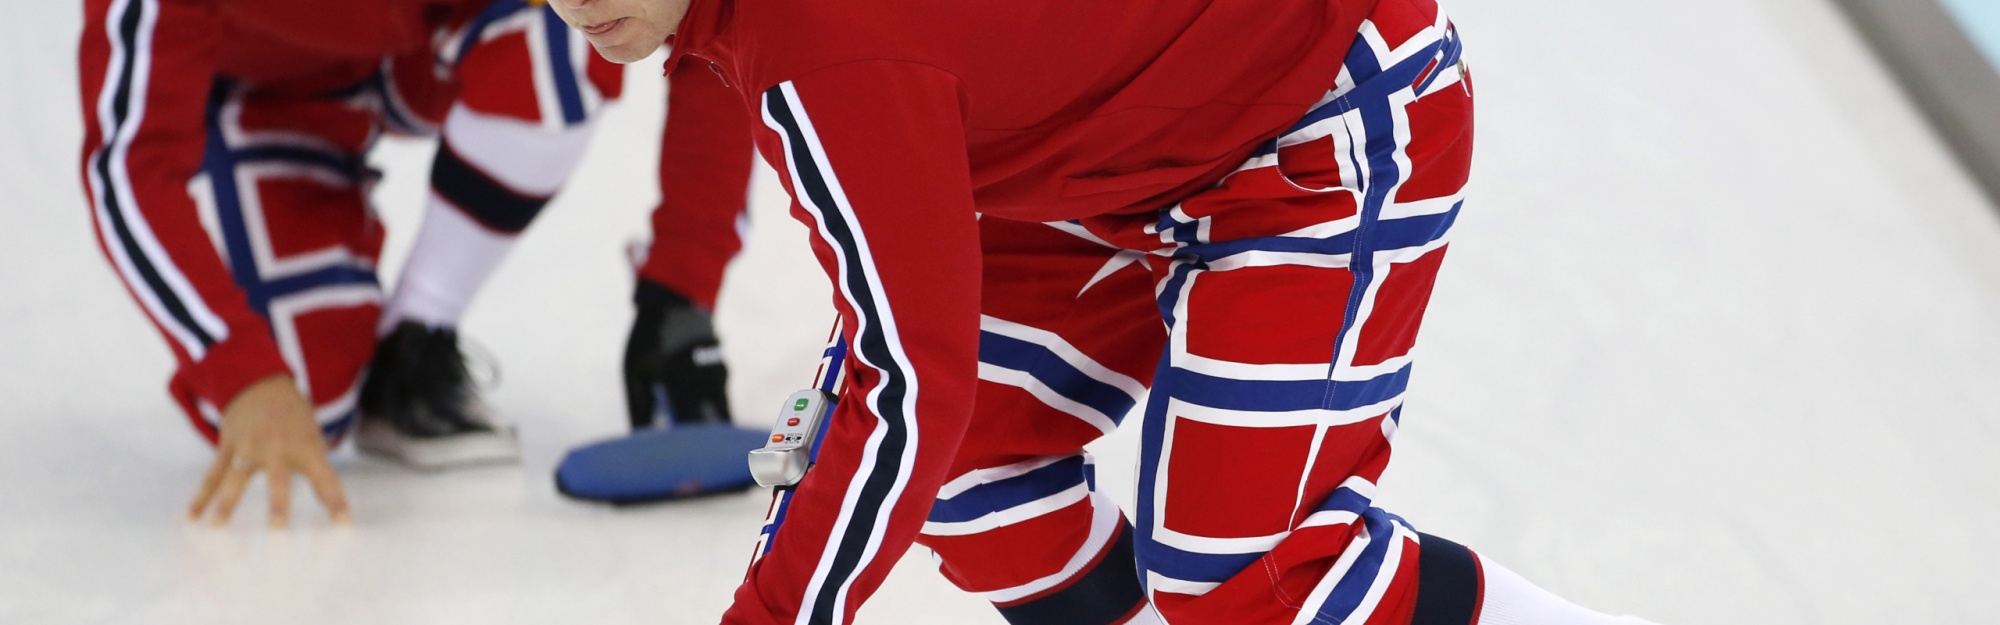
(240, 209)
(1290, 294)
(1068, 342)
(1293, 291)
(1022, 521)
(285, 196)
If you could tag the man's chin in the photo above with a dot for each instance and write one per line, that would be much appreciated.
(625, 52)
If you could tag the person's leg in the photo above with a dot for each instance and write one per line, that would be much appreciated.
(1293, 299)
(528, 92)
(283, 191)
(517, 114)
(1067, 345)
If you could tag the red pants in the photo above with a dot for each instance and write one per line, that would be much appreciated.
(1272, 317)
(235, 207)
(1293, 299)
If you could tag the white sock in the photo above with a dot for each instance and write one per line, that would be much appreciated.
(1146, 616)
(1507, 599)
(451, 259)
(454, 254)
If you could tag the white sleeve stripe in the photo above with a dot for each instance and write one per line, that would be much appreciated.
(136, 253)
(887, 459)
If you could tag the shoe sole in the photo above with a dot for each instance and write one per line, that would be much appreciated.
(501, 446)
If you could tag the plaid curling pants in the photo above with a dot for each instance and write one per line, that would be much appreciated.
(1272, 318)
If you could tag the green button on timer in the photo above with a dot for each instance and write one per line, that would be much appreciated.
(801, 405)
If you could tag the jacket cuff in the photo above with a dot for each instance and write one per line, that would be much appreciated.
(235, 363)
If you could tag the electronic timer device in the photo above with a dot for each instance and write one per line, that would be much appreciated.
(787, 453)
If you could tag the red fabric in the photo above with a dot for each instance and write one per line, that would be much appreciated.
(301, 213)
(1355, 449)
(340, 341)
(1479, 603)
(145, 139)
(495, 77)
(1037, 276)
(498, 97)
(1209, 471)
(911, 117)
(1072, 108)
(306, 47)
(354, 29)
(705, 164)
(996, 559)
(1303, 298)
(911, 303)
(163, 152)
(608, 76)
(1399, 308)
(1453, 163)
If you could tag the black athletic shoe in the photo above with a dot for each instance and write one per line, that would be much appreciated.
(419, 406)
(673, 363)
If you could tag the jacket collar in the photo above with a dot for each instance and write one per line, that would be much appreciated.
(700, 28)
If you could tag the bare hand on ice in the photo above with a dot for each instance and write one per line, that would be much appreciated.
(269, 428)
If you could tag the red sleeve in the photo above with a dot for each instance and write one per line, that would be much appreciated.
(145, 71)
(346, 29)
(874, 155)
(704, 182)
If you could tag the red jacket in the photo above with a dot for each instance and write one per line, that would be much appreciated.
(895, 122)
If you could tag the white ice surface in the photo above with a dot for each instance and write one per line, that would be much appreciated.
(1719, 342)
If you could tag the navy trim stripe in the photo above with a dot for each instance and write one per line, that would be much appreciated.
(1447, 583)
(1042, 364)
(872, 343)
(1101, 596)
(1280, 396)
(121, 109)
(221, 162)
(1380, 235)
(568, 90)
(479, 196)
(1007, 494)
